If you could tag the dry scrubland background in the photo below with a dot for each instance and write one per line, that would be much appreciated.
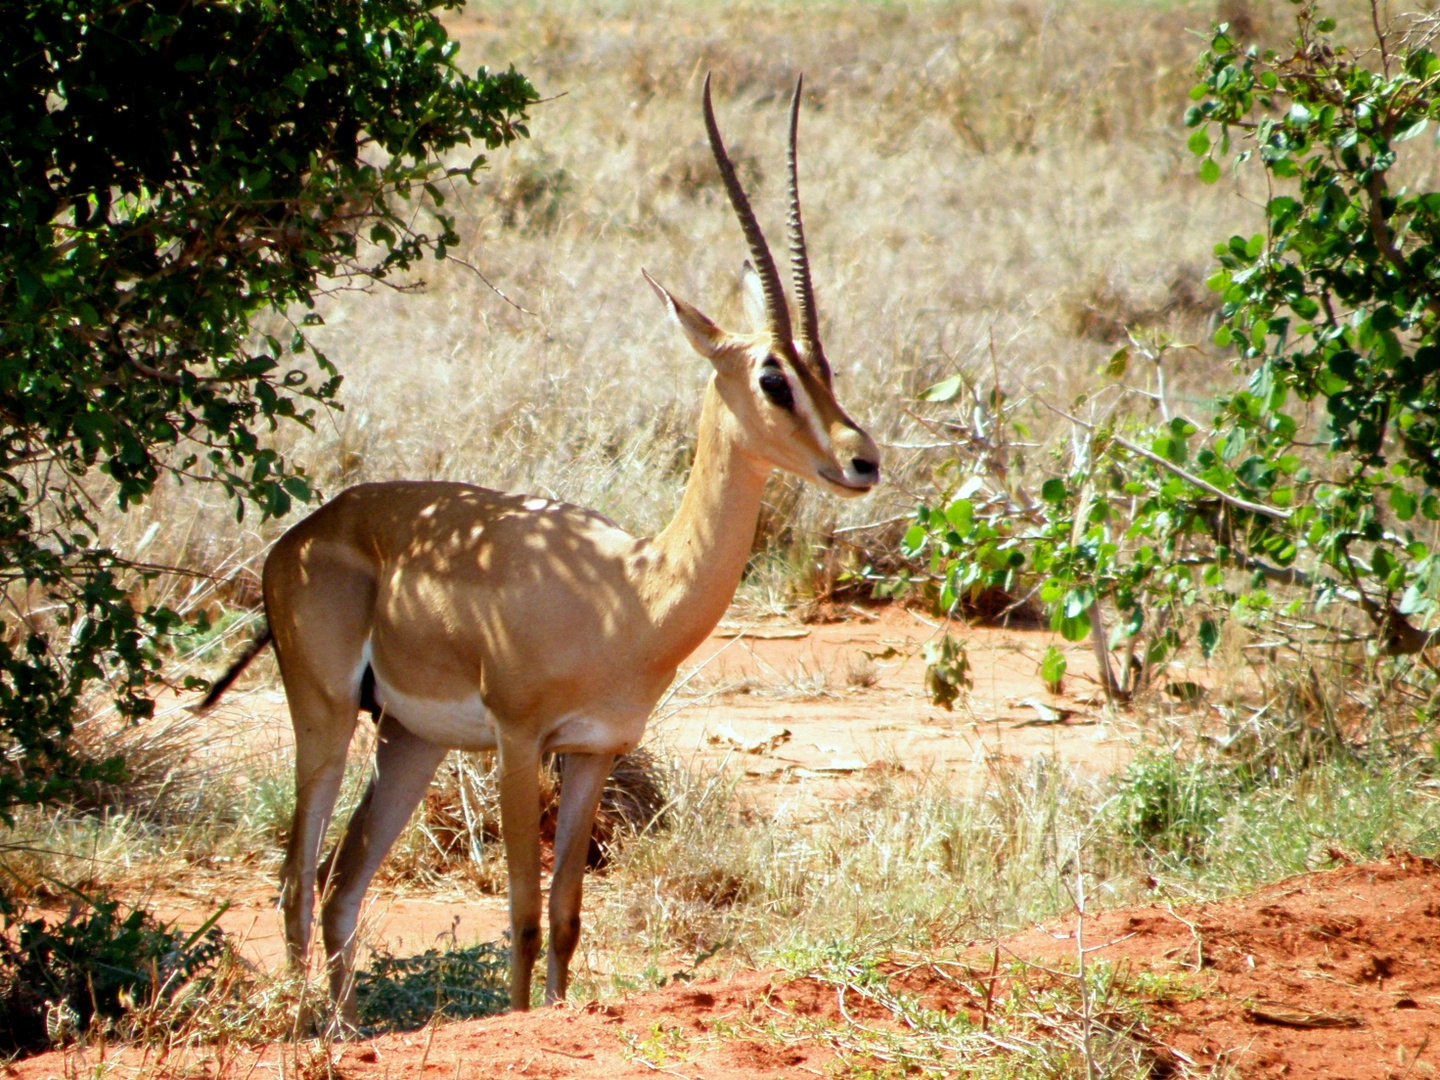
(996, 187)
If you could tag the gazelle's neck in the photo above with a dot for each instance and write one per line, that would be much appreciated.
(692, 568)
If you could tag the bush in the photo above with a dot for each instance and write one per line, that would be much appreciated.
(401, 994)
(1309, 486)
(56, 979)
(182, 178)
(1168, 806)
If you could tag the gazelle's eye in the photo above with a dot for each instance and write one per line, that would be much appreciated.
(777, 388)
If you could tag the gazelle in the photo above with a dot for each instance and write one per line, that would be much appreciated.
(469, 619)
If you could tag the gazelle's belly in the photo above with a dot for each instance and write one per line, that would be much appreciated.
(463, 724)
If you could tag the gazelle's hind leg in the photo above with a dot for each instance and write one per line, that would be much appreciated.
(322, 736)
(404, 765)
(582, 785)
(319, 612)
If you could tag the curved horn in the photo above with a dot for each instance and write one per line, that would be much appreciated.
(775, 306)
(799, 259)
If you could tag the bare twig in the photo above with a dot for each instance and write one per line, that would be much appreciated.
(873, 524)
(1203, 485)
(1090, 1069)
(488, 283)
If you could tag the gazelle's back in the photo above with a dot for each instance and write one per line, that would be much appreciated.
(455, 590)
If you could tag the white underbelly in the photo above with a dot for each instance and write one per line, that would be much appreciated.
(463, 724)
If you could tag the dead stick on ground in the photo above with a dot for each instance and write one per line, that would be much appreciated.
(1090, 1071)
(429, 1038)
(990, 988)
(1418, 1051)
(1194, 933)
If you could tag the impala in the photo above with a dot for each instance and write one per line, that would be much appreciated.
(469, 619)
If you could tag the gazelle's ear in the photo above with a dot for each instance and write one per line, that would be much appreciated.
(752, 298)
(704, 336)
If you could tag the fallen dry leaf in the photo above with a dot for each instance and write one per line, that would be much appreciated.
(727, 737)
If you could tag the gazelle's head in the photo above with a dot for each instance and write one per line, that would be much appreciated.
(776, 383)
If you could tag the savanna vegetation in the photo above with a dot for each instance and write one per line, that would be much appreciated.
(1163, 379)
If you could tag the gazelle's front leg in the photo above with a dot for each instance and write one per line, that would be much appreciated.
(519, 765)
(580, 790)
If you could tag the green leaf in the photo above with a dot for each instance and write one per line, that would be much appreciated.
(961, 516)
(914, 541)
(1074, 629)
(1077, 601)
(1209, 171)
(1171, 449)
(1200, 143)
(1403, 503)
(1118, 362)
(1208, 635)
(1053, 490)
(1382, 563)
(945, 390)
(1052, 668)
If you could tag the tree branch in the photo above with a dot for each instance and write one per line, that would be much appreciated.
(1375, 188)
(1203, 485)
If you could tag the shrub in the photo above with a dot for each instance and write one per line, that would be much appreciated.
(57, 978)
(1309, 484)
(181, 179)
(1167, 805)
(402, 994)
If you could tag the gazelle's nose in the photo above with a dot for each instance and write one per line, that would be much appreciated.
(865, 470)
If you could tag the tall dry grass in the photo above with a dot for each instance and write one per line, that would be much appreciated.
(996, 187)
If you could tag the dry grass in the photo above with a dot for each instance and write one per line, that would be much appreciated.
(998, 188)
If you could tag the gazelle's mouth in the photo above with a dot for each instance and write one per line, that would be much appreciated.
(845, 485)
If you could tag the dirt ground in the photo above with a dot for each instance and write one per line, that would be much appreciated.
(1331, 974)
(851, 696)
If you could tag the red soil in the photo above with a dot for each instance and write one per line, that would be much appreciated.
(1333, 974)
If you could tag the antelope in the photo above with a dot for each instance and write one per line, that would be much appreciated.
(470, 619)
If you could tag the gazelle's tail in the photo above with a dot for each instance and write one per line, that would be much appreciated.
(223, 683)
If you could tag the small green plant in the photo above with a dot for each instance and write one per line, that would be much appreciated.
(57, 979)
(1167, 805)
(947, 670)
(1052, 669)
(404, 993)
